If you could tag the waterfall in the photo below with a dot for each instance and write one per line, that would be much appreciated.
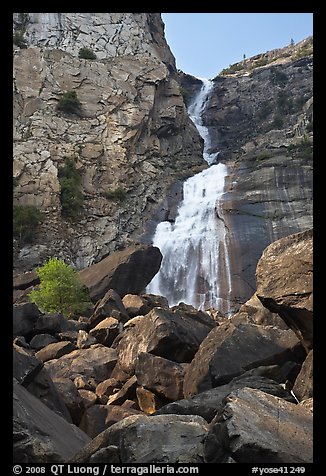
(194, 247)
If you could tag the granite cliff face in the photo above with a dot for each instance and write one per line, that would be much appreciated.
(260, 119)
(132, 132)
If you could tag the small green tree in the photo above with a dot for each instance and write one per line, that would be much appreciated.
(60, 289)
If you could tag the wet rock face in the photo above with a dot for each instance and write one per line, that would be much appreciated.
(132, 133)
(261, 122)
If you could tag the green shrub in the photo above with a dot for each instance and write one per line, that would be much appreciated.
(26, 219)
(69, 103)
(71, 196)
(19, 40)
(86, 53)
(60, 290)
(116, 194)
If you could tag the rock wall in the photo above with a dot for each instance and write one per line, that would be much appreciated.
(132, 133)
(260, 119)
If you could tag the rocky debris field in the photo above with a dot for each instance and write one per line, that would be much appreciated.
(137, 381)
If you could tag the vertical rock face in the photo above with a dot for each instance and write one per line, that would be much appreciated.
(260, 119)
(131, 134)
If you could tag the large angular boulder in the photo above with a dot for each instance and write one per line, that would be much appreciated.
(255, 427)
(303, 385)
(98, 418)
(127, 271)
(165, 333)
(208, 404)
(154, 439)
(109, 306)
(40, 435)
(30, 373)
(230, 349)
(106, 331)
(162, 376)
(73, 401)
(55, 350)
(25, 280)
(25, 316)
(284, 277)
(96, 362)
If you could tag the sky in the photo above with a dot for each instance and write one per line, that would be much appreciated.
(205, 43)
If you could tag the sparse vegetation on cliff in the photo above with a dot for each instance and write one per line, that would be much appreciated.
(69, 103)
(118, 193)
(26, 219)
(71, 196)
(86, 53)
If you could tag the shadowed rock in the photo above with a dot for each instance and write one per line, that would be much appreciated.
(284, 282)
(40, 435)
(127, 272)
(255, 427)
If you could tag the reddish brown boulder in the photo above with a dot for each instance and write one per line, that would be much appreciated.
(126, 392)
(97, 362)
(285, 282)
(136, 305)
(106, 331)
(55, 350)
(162, 332)
(73, 401)
(126, 271)
(100, 417)
(109, 306)
(159, 375)
(148, 402)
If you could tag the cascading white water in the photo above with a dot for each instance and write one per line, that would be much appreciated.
(193, 247)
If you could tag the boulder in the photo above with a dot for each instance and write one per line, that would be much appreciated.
(40, 435)
(30, 373)
(106, 331)
(84, 340)
(51, 324)
(303, 386)
(21, 342)
(126, 271)
(136, 305)
(43, 388)
(25, 366)
(25, 316)
(109, 306)
(152, 439)
(100, 417)
(255, 312)
(155, 300)
(160, 375)
(148, 402)
(285, 282)
(127, 391)
(73, 401)
(107, 387)
(96, 362)
(208, 404)
(25, 280)
(165, 333)
(258, 428)
(88, 397)
(42, 340)
(55, 350)
(230, 349)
